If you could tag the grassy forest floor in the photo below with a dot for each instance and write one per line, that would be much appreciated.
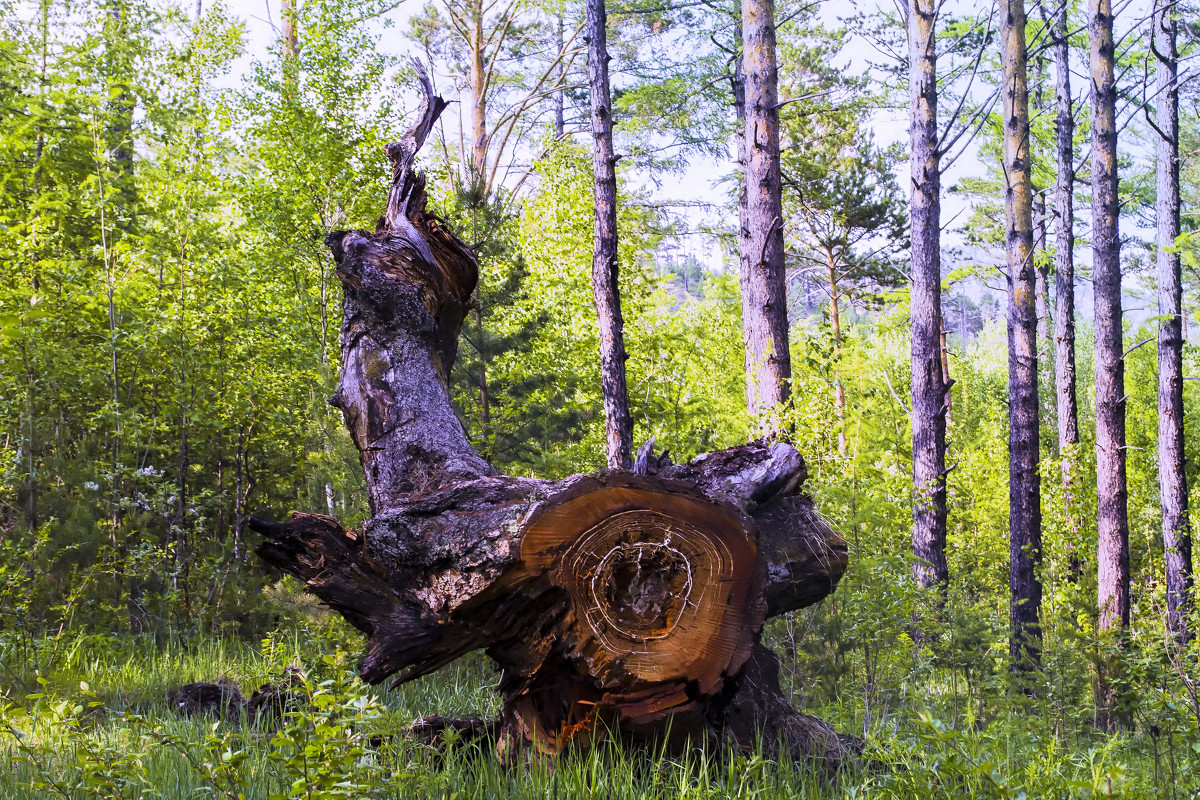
(88, 716)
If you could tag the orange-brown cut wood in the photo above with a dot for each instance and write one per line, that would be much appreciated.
(665, 593)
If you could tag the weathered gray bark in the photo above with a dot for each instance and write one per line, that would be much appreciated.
(1176, 532)
(764, 290)
(929, 391)
(621, 599)
(1024, 488)
(618, 425)
(1111, 489)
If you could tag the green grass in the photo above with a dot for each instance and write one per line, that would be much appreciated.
(87, 717)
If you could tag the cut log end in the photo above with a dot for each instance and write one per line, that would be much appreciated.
(662, 586)
(663, 591)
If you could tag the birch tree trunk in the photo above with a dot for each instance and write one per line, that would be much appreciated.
(764, 291)
(477, 81)
(928, 386)
(1111, 489)
(288, 11)
(618, 425)
(1024, 489)
(1176, 532)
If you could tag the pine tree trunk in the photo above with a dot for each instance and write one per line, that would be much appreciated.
(764, 291)
(928, 387)
(618, 425)
(1024, 488)
(1177, 541)
(1112, 493)
(1064, 284)
(626, 599)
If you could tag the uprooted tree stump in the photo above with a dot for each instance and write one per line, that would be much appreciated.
(621, 600)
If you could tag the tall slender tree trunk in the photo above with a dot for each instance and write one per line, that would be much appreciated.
(477, 81)
(1042, 305)
(1067, 415)
(1041, 293)
(560, 122)
(835, 321)
(944, 353)
(116, 220)
(1024, 488)
(764, 291)
(928, 385)
(289, 10)
(1177, 539)
(1041, 262)
(618, 425)
(738, 81)
(119, 132)
(485, 406)
(291, 35)
(1111, 489)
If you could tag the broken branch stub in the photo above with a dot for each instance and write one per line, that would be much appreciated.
(615, 599)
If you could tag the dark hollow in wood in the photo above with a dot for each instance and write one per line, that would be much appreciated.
(621, 600)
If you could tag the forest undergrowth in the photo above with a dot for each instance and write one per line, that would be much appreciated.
(922, 678)
(88, 716)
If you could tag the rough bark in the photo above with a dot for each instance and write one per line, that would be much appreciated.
(632, 600)
(929, 389)
(764, 292)
(618, 424)
(1024, 488)
(1176, 532)
(1064, 281)
(1111, 489)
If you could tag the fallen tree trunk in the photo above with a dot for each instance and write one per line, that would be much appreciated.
(622, 599)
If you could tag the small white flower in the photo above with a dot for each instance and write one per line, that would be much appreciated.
(148, 472)
(91, 485)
